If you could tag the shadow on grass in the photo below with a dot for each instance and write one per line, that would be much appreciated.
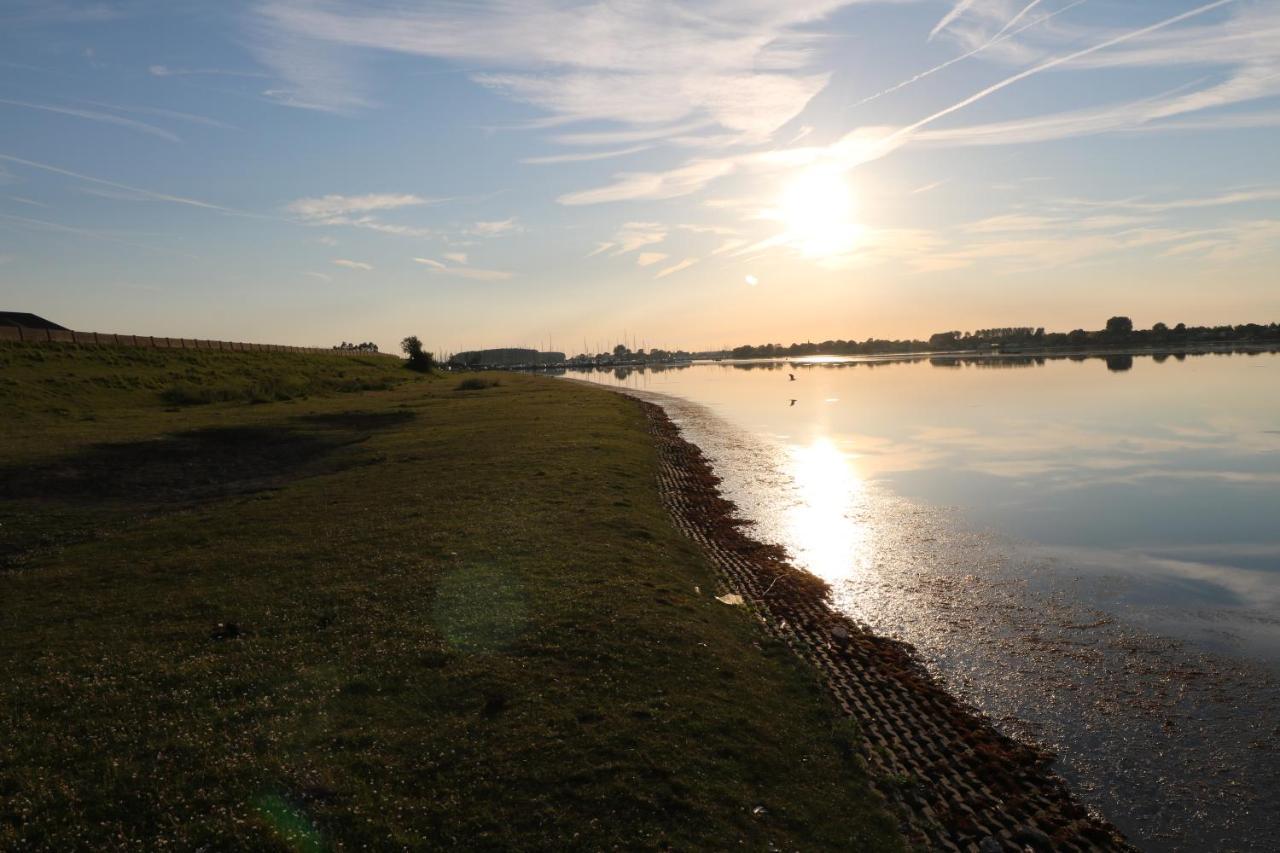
(197, 464)
(103, 485)
(358, 420)
(189, 465)
(475, 383)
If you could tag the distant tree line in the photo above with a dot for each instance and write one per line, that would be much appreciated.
(1119, 331)
(623, 353)
(367, 346)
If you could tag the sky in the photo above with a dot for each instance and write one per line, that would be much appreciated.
(569, 175)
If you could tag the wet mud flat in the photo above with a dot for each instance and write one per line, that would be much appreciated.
(958, 782)
(1176, 744)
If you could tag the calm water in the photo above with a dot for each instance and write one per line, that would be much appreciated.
(1087, 550)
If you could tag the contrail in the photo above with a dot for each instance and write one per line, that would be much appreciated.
(998, 37)
(956, 11)
(83, 232)
(1016, 18)
(1053, 63)
(96, 116)
(154, 196)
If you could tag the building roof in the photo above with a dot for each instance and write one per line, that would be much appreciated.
(28, 321)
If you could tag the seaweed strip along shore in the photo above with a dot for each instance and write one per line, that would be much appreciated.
(958, 783)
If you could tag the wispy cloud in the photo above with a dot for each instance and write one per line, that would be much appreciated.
(359, 211)
(147, 195)
(730, 245)
(1232, 244)
(176, 115)
(645, 259)
(44, 225)
(866, 144)
(1062, 60)
(462, 271)
(676, 267)
(954, 12)
(328, 206)
(1015, 247)
(1246, 44)
(93, 115)
(167, 71)
(586, 157)
(1129, 117)
(48, 12)
(929, 187)
(1002, 36)
(24, 200)
(1241, 196)
(632, 236)
(855, 148)
(625, 137)
(632, 186)
(319, 275)
(742, 66)
(495, 227)
(1022, 13)
(352, 265)
(477, 273)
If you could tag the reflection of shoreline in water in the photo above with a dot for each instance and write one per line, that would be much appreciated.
(1177, 746)
(969, 784)
(1115, 361)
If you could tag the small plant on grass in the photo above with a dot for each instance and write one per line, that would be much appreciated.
(419, 359)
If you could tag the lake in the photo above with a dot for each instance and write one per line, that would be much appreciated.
(1087, 549)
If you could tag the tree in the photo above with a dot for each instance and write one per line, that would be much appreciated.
(419, 359)
(1160, 329)
(1119, 326)
(944, 340)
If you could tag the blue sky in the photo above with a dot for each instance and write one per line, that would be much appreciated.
(694, 174)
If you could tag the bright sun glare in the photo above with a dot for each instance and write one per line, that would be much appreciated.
(826, 535)
(818, 211)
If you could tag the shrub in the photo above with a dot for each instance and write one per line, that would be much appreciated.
(419, 359)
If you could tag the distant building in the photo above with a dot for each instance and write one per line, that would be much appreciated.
(508, 357)
(22, 320)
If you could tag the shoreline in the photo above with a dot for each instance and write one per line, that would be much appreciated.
(958, 782)
(430, 616)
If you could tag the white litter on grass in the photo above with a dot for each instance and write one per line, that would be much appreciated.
(731, 598)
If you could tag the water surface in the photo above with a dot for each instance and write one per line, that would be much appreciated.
(1086, 549)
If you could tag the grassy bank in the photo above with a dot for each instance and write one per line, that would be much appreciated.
(421, 615)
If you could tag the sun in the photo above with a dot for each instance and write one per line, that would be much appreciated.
(817, 209)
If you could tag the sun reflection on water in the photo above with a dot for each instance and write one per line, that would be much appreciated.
(823, 526)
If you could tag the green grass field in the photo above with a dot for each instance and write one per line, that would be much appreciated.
(297, 602)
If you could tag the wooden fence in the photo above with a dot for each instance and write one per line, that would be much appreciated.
(18, 334)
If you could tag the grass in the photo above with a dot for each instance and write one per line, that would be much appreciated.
(391, 618)
(476, 383)
(69, 381)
